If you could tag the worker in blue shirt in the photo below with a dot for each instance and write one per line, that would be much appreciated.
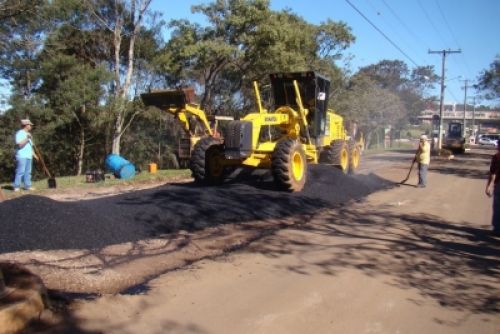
(24, 156)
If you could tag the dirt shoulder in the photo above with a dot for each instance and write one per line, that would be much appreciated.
(427, 247)
(402, 260)
(108, 240)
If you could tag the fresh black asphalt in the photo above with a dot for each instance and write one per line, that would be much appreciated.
(38, 223)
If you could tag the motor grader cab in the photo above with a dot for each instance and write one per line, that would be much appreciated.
(454, 139)
(195, 123)
(301, 130)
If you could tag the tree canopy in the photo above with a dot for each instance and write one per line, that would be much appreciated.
(489, 80)
(76, 68)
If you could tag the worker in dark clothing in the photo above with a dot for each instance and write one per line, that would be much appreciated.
(493, 189)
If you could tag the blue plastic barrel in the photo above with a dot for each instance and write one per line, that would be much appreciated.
(122, 168)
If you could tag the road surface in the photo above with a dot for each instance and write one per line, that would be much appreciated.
(400, 260)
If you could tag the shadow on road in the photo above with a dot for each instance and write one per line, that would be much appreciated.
(470, 173)
(457, 265)
(39, 223)
(68, 322)
(473, 165)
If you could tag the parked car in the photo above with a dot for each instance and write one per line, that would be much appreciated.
(488, 139)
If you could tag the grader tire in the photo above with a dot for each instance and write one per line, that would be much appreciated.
(340, 154)
(327, 155)
(354, 156)
(289, 165)
(206, 161)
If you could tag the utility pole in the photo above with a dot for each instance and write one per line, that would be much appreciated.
(465, 105)
(441, 100)
(473, 118)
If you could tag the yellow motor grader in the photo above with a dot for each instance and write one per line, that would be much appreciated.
(301, 130)
(195, 123)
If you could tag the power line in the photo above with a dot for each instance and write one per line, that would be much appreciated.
(373, 7)
(396, 32)
(382, 33)
(446, 22)
(467, 68)
(471, 73)
(441, 100)
(402, 22)
(431, 22)
(449, 91)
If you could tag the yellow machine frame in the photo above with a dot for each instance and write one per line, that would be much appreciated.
(297, 133)
(291, 122)
(178, 103)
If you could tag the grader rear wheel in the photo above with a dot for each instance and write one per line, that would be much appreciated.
(207, 161)
(354, 156)
(289, 165)
(340, 154)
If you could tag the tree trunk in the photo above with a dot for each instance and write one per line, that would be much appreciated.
(122, 87)
(206, 100)
(117, 134)
(81, 151)
(369, 136)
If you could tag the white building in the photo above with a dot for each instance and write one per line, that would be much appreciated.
(484, 120)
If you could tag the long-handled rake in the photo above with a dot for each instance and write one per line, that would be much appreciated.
(409, 172)
(51, 182)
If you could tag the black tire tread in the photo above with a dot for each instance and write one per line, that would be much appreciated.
(281, 165)
(198, 158)
(351, 147)
(337, 146)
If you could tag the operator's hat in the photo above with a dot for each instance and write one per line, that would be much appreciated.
(26, 122)
(423, 137)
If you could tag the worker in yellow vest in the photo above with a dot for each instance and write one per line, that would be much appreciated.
(423, 158)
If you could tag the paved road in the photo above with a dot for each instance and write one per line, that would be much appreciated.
(402, 260)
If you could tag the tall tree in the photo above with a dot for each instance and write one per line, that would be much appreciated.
(372, 107)
(124, 20)
(410, 85)
(245, 41)
(73, 90)
(489, 80)
(21, 31)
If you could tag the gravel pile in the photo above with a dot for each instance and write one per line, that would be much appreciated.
(38, 223)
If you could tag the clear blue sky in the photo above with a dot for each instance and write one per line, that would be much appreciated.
(415, 26)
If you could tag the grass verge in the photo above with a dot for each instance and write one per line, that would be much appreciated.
(79, 182)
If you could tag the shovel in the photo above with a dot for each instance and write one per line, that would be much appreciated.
(409, 172)
(51, 181)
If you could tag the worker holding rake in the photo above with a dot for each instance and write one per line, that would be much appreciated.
(423, 158)
(24, 156)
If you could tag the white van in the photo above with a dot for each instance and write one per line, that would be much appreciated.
(488, 139)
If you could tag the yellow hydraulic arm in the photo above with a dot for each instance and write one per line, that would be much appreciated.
(302, 112)
(183, 114)
(257, 97)
(178, 103)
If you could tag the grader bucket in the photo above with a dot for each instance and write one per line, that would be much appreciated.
(167, 99)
